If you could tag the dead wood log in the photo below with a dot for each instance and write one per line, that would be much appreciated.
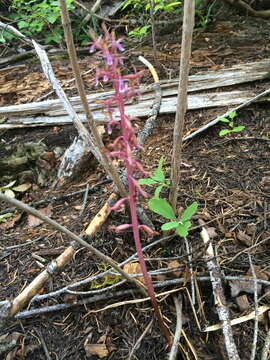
(246, 7)
(202, 81)
(168, 105)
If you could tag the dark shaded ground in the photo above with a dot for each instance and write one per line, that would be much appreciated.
(229, 177)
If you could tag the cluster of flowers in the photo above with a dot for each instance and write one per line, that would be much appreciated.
(125, 87)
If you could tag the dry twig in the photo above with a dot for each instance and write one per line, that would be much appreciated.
(256, 320)
(135, 347)
(178, 330)
(221, 306)
(188, 24)
(265, 350)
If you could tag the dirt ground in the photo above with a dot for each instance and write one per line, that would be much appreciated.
(228, 176)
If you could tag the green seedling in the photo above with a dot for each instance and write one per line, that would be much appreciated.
(162, 207)
(10, 189)
(139, 32)
(158, 178)
(231, 125)
(181, 225)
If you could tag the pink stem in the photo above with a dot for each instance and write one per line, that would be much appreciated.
(133, 213)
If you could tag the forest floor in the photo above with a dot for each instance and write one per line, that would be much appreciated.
(228, 176)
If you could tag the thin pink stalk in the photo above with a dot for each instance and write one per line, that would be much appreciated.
(123, 147)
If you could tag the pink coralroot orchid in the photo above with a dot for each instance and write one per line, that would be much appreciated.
(125, 87)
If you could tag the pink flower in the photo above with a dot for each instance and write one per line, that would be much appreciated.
(121, 228)
(148, 230)
(119, 204)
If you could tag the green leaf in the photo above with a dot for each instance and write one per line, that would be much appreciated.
(159, 175)
(231, 124)
(158, 190)
(147, 181)
(223, 119)
(2, 39)
(238, 128)
(232, 114)
(171, 5)
(170, 225)
(224, 132)
(22, 24)
(161, 207)
(52, 18)
(189, 211)
(158, 7)
(182, 229)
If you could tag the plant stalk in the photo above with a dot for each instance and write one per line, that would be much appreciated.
(188, 24)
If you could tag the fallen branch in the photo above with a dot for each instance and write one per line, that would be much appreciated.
(240, 320)
(220, 300)
(122, 293)
(54, 199)
(243, 5)
(178, 330)
(265, 350)
(53, 113)
(256, 322)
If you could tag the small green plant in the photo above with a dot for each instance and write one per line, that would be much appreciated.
(231, 125)
(162, 5)
(180, 225)
(139, 6)
(42, 18)
(34, 17)
(158, 178)
(162, 207)
(139, 32)
(204, 14)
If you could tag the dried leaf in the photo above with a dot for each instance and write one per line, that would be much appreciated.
(99, 350)
(134, 268)
(259, 273)
(251, 229)
(238, 286)
(34, 221)
(244, 238)
(211, 232)
(242, 302)
(101, 129)
(9, 193)
(175, 264)
(22, 187)
(10, 223)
